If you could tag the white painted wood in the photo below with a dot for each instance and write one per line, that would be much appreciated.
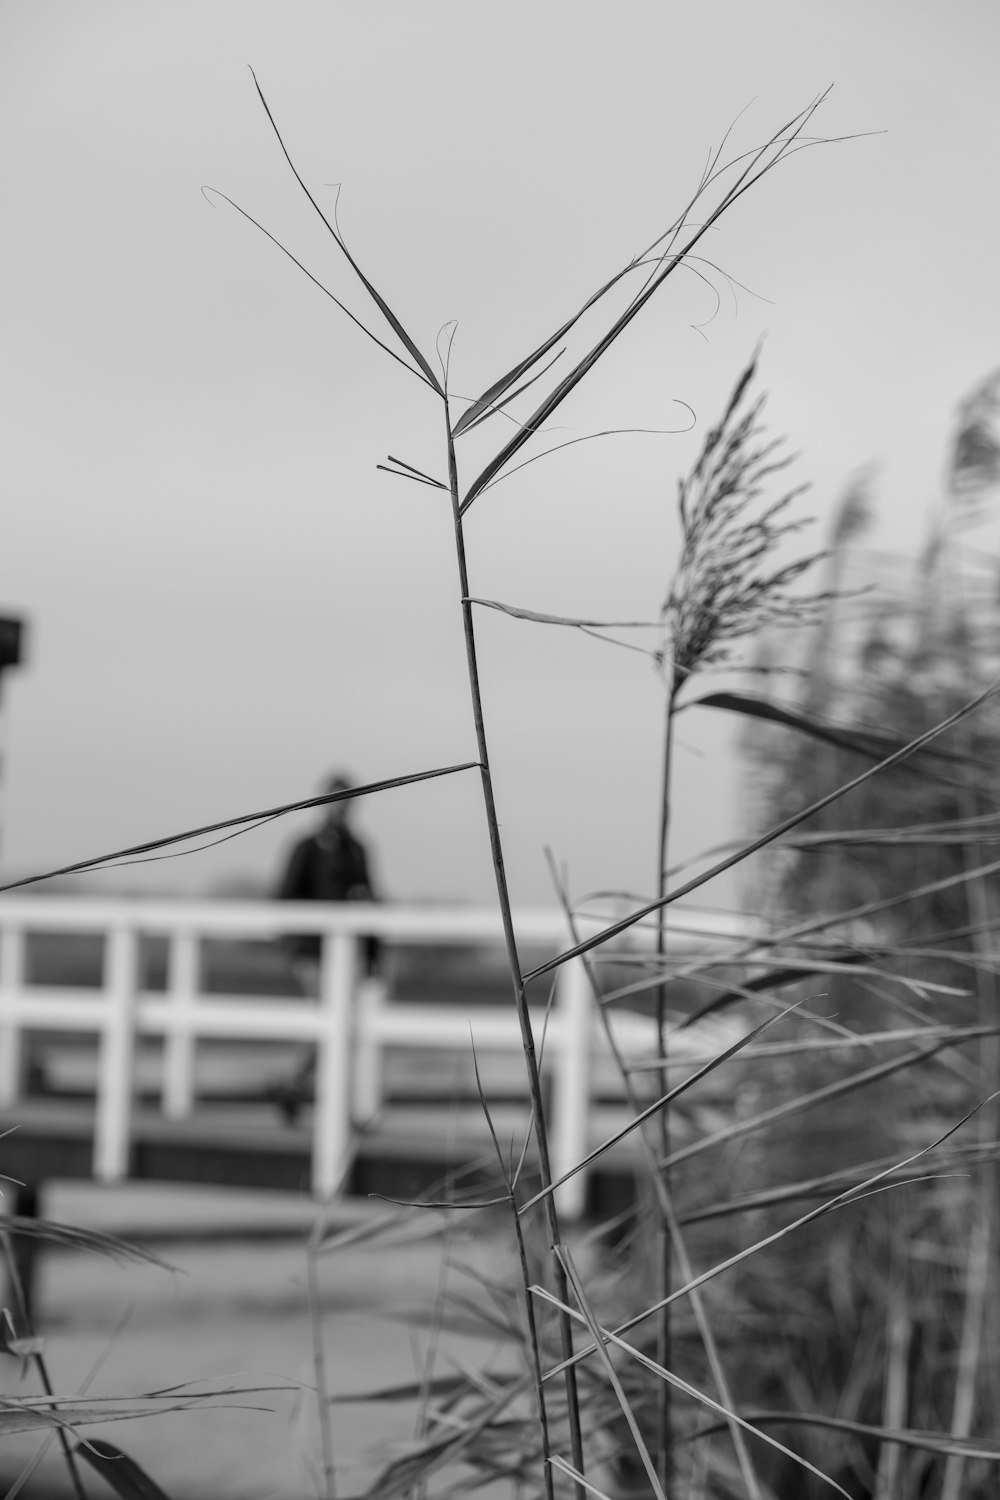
(11, 987)
(570, 1066)
(371, 1007)
(332, 1114)
(351, 1037)
(183, 980)
(113, 1119)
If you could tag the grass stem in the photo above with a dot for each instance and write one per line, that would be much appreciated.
(513, 960)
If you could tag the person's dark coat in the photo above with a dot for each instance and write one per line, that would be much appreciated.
(330, 865)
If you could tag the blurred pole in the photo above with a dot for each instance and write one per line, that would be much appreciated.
(11, 655)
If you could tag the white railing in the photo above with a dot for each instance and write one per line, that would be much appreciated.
(351, 1023)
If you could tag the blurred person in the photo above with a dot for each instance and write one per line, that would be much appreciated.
(329, 864)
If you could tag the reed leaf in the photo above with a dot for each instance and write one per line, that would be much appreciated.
(543, 619)
(376, 296)
(665, 267)
(654, 1108)
(929, 1442)
(496, 409)
(604, 1336)
(610, 1372)
(244, 819)
(787, 824)
(844, 1199)
(871, 744)
(119, 1472)
(810, 1100)
(358, 323)
(72, 1237)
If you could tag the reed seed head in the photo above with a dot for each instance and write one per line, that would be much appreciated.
(729, 583)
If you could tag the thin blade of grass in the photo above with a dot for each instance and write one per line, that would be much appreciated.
(314, 279)
(929, 1442)
(543, 619)
(842, 1200)
(428, 1458)
(639, 261)
(605, 1336)
(610, 1371)
(32, 1415)
(531, 1328)
(655, 1107)
(380, 302)
(72, 1237)
(418, 473)
(498, 408)
(567, 1468)
(811, 969)
(769, 837)
(98, 1364)
(804, 1102)
(481, 408)
(864, 1039)
(869, 744)
(271, 812)
(663, 1201)
(119, 1472)
(842, 1179)
(432, 484)
(590, 437)
(814, 925)
(656, 279)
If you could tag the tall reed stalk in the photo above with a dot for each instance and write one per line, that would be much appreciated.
(722, 184)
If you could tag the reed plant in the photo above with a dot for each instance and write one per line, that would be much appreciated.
(705, 1354)
(731, 582)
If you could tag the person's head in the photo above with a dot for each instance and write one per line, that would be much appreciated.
(336, 814)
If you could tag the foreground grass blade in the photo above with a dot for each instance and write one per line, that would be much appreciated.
(606, 1336)
(427, 1458)
(841, 1180)
(930, 1442)
(245, 818)
(377, 298)
(314, 279)
(487, 402)
(668, 1218)
(657, 1105)
(496, 409)
(74, 1238)
(578, 1478)
(769, 837)
(119, 1472)
(610, 1371)
(531, 1327)
(37, 1414)
(671, 260)
(802, 1102)
(845, 1199)
(439, 1385)
(871, 744)
(541, 619)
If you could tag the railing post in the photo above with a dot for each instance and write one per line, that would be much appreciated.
(571, 1092)
(332, 1117)
(183, 982)
(116, 1066)
(11, 982)
(368, 1049)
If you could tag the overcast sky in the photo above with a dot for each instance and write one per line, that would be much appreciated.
(226, 598)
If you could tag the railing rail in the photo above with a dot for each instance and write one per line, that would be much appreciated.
(351, 1023)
